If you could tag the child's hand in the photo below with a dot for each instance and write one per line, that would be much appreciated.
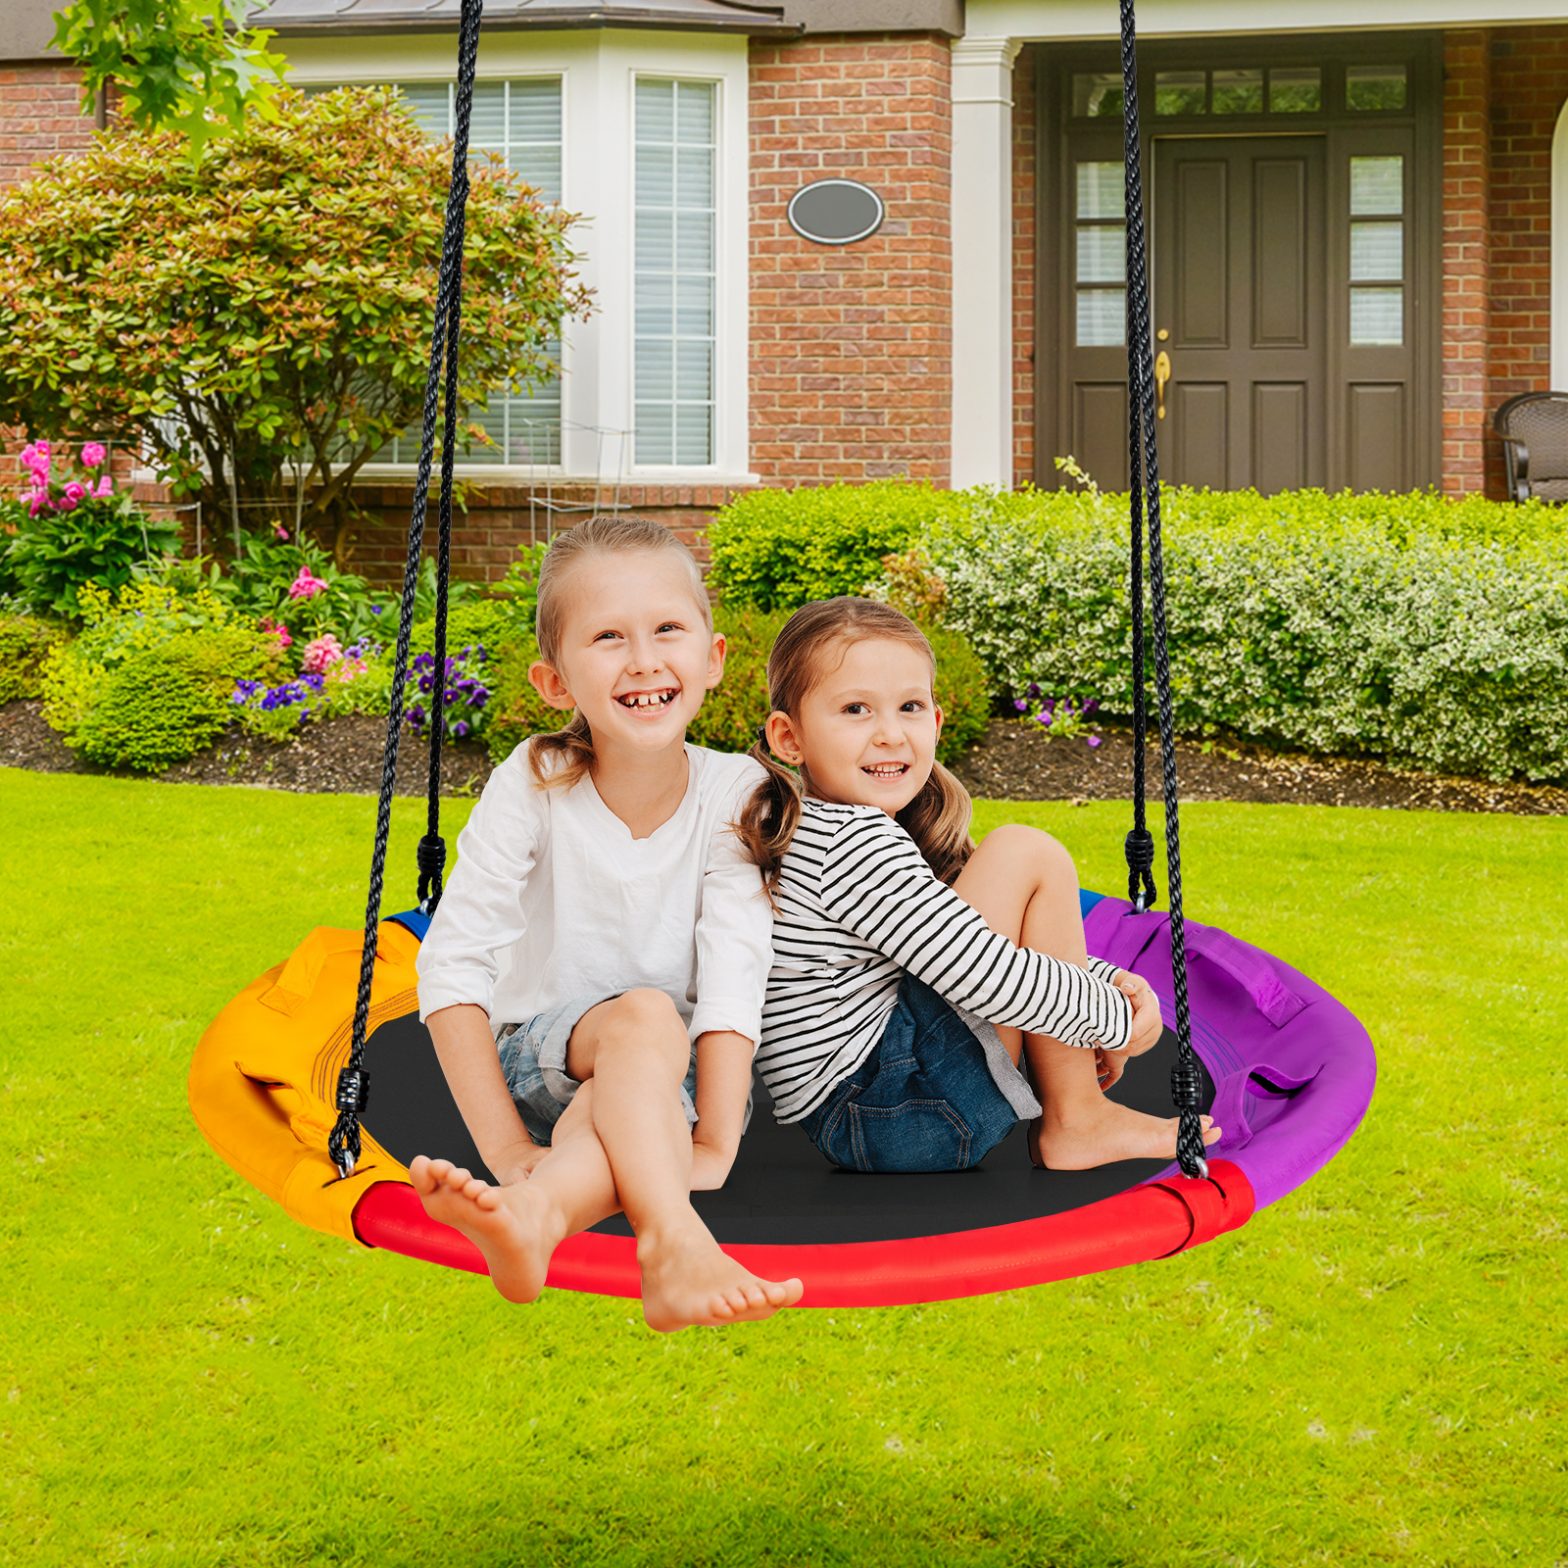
(1147, 1027)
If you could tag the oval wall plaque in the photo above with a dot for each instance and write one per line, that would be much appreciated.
(835, 212)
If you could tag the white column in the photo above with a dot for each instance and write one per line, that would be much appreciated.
(983, 261)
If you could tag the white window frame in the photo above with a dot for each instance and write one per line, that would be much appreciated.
(598, 70)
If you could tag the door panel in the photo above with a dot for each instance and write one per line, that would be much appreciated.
(1375, 437)
(1239, 286)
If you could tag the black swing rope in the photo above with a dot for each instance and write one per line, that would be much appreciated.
(1144, 498)
(1144, 495)
(353, 1082)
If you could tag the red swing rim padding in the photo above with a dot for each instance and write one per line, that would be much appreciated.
(1153, 1220)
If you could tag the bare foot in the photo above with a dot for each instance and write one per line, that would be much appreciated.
(513, 1226)
(687, 1279)
(1107, 1133)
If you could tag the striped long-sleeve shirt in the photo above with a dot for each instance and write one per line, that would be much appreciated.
(857, 907)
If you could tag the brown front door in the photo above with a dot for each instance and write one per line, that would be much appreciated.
(1293, 193)
(1239, 311)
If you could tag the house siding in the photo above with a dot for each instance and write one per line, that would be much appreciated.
(851, 347)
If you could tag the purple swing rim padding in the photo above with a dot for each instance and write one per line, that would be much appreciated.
(1293, 1067)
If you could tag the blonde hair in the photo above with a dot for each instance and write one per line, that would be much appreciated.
(564, 756)
(937, 819)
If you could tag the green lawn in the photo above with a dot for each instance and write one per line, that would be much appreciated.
(1372, 1371)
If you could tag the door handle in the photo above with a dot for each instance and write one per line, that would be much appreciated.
(1162, 374)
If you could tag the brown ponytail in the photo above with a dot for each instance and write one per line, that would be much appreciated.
(769, 818)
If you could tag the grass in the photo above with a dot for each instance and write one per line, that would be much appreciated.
(1371, 1372)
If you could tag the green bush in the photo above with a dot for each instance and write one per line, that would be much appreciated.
(780, 549)
(151, 677)
(165, 703)
(733, 712)
(25, 642)
(1429, 633)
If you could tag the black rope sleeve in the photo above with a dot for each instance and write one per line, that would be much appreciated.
(343, 1144)
(1186, 1077)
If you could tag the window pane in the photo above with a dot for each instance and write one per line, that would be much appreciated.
(1377, 316)
(1098, 94)
(1180, 92)
(1238, 92)
(1375, 86)
(1102, 254)
(431, 103)
(1377, 187)
(520, 122)
(1100, 190)
(1297, 89)
(675, 248)
(1377, 252)
(1102, 318)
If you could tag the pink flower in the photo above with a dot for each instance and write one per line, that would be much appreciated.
(279, 531)
(72, 496)
(278, 630)
(37, 502)
(93, 454)
(105, 487)
(36, 462)
(306, 586)
(321, 654)
(346, 670)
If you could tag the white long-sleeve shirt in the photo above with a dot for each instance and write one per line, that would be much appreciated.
(858, 906)
(552, 897)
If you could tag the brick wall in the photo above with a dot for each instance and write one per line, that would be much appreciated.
(1505, 88)
(851, 346)
(1529, 81)
(1466, 247)
(40, 115)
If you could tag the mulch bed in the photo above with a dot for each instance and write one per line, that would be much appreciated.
(1014, 761)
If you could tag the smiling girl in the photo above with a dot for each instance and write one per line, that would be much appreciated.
(912, 972)
(594, 973)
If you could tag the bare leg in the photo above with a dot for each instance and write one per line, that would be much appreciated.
(1025, 885)
(636, 1050)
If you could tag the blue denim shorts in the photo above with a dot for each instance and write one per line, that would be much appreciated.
(533, 1062)
(936, 1093)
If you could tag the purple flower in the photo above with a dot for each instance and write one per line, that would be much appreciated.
(1043, 718)
(1094, 740)
(460, 729)
(376, 609)
(1091, 705)
(1021, 704)
(427, 683)
(1033, 689)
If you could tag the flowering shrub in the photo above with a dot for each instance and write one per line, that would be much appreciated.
(464, 694)
(1061, 717)
(291, 588)
(355, 680)
(70, 526)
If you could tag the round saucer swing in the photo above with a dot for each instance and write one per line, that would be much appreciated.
(280, 1081)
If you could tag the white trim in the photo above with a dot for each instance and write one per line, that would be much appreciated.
(598, 68)
(1559, 295)
(982, 229)
(1064, 20)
